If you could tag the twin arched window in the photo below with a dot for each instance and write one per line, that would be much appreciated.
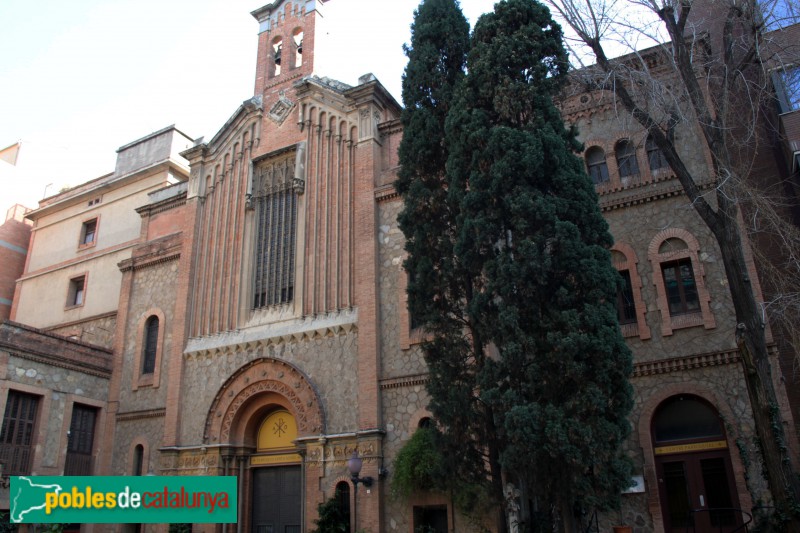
(276, 49)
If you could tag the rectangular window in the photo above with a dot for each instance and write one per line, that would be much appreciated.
(16, 436)
(680, 286)
(88, 232)
(431, 518)
(787, 89)
(626, 310)
(599, 173)
(80, 441)
(275, 200)
(77, 286)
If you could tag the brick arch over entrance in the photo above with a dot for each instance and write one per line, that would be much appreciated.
(262, 381)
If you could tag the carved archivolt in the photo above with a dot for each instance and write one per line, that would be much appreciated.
(254, 383)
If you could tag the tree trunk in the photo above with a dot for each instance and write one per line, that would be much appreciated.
(752, 344)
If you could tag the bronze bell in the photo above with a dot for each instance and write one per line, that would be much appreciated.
(278, 55)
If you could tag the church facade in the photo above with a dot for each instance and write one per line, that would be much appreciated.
(250, 319)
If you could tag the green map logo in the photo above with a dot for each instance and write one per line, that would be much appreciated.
(122, 499)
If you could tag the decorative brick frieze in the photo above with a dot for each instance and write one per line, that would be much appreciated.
(386, 193)
(162, 206)
(405, 381)
(154, 253)
(679, 364)
(139, 415)
(300, 330)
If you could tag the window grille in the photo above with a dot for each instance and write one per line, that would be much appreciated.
(275, 200)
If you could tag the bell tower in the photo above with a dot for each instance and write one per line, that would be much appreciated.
(286, 38)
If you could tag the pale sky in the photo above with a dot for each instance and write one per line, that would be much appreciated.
(80, 78)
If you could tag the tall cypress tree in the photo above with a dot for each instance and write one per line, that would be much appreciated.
(437, 57)
(438, 286)
(530, 230)
(509, 263)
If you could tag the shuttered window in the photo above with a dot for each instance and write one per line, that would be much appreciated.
(16, 436)
(80, 441)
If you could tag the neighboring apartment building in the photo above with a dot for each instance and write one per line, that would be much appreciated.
(80, 234)
(255, 308)
(15, 233)
(55, 358)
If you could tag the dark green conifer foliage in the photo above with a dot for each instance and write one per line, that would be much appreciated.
(437, 55)
(512, 275)
(437, 289)
(531, 231)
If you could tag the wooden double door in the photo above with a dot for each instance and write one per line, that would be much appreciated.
(276, 500)
(697, 492)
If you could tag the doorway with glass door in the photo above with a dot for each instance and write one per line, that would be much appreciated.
(693, 466)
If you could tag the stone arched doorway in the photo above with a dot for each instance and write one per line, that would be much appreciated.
(693, 466)
(259, 418)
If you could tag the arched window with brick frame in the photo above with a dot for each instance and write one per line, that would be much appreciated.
(596, 165)
(630, 304)
(149, 350)
(679, 278)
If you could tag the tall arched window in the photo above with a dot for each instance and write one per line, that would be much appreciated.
(150, 345)
(343, 503)
(596, 165)
(683, 298)
(626, 159)
(138, 460)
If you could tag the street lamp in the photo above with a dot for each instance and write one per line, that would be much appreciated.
(354, 466)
